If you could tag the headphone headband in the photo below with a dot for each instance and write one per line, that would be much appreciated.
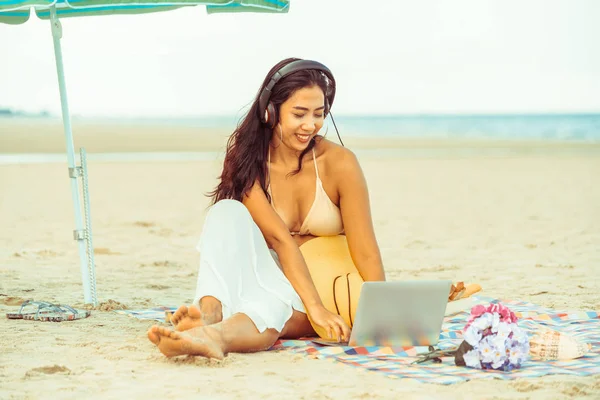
(294, 66)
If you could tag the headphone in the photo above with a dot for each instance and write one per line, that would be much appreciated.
(267, 111)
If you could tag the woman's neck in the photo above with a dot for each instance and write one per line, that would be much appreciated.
(283, 155)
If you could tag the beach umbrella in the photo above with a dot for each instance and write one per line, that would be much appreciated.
(18, 12)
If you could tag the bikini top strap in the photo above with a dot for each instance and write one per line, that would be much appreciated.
(269, 162)
(315, 161)
(269, 176)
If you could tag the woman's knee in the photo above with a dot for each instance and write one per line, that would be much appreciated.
(227, 213)
(229, 209)
(224, 219)
(297, 326)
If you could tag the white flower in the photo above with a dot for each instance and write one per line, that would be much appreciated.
(471, 358)
(486, 350)
(518, 354)
(472, 336)
(498, 342)
(495, 322)
(483, 322)
(498, 357)
(519, 335)
(503, 330)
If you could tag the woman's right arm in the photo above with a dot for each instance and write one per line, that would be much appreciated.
(294, 267)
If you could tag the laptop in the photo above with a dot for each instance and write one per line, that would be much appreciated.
(398, 313)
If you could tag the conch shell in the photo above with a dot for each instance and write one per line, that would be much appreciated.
(550, 345)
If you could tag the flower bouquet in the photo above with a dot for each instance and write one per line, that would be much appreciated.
(492, 340)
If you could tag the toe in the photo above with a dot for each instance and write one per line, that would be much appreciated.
(194, 312)
(166, 332)
(153, 335)
(179, 314)
(174, 335)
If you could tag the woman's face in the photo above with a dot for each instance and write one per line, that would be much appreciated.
(300, 118)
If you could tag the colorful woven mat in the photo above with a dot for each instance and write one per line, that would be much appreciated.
(396, 362)
(153, 314)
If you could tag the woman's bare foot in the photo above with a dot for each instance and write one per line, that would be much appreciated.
(194, 342)
(188, 317)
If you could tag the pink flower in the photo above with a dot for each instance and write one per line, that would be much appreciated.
(493, 308)
(506, 315)
(477, 311)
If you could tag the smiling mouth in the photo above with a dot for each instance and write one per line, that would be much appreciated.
(303, 138)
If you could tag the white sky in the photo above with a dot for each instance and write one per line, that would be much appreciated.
(425, 56)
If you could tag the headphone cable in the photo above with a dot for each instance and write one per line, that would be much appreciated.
(336, 129)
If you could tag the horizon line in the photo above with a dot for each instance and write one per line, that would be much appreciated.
(47, 115)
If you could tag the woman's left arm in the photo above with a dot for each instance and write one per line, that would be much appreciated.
(356, 215)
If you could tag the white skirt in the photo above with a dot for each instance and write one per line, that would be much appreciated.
(238, 269)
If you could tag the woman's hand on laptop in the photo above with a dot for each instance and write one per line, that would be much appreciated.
(334, 325)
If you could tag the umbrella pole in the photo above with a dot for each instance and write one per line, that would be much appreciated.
(80, 234)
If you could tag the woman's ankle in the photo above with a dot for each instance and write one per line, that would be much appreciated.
(215, 334)
(211, 309)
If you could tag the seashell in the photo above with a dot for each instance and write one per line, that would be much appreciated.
(549, 345)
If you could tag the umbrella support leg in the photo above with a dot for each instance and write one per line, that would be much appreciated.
(83, 236)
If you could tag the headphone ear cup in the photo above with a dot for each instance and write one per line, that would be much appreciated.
(271, 115)
(326, 109)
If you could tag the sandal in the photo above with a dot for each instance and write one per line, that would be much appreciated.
(28, 304)
(49, 312)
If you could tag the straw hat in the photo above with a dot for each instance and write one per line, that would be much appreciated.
(337, 280)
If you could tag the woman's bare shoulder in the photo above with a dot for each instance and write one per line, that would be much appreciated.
(336, 157)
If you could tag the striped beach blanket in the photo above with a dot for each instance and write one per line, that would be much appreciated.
(151, 314)
(395, 362)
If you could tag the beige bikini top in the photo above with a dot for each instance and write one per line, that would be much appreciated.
(324, 217)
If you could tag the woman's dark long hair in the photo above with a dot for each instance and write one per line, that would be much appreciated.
(248, 146)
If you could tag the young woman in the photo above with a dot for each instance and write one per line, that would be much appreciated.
(285, 194)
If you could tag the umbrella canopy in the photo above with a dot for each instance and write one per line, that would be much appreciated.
(18, 12)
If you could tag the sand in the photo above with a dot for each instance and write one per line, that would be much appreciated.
(522, 219)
